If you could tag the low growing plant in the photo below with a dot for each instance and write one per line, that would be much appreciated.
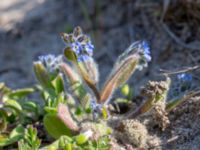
(75, 112)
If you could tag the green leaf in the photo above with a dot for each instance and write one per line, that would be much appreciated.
(72, 76)
(42, 75)
(89, 73)
(4, 140)
(125, 89)
(30, 106)
(14, 136)
(181, 99)
(70, 54)
(20, 92)
(122, 71)
(23, 146)
(68, 146)
(17, 132)
(30, 138)
(59, 143)
(3, 116)
(173, 103)
(58, 83)
(13, 104)
(81, 139)
(79, 91)
(65, 116)
(88, 70)
(77, 87)
(51, 110)
(55, 126)
(79, 111)
(104, 143)
(104, 113)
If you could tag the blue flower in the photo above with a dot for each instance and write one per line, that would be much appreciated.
(94, 105)
(84, 58)
(76, 47)
(182, 84)
(144, 53)
(96, 108)
(51, 62)
(79, 43)
(82, 48)
(89, 48)
(184, 77)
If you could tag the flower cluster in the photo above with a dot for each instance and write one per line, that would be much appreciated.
(183, 83)
(184, 77)
(144, 52)
(51, 62)
(80, 44)
(96, 108)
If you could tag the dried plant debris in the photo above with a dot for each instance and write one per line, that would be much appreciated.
(132, 132)
(160, 116)
(156, 92)
(192, 105)
(154, 88)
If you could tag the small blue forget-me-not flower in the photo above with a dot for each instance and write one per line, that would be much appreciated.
(146, 51)
(145, 54)
(80, 44)
(184, 77)
(182, 83)
(51, 62)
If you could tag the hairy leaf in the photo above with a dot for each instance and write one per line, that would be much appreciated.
(65, 116)
(58, 83)
(72, 76)
(123, 69)
(55, 126)
(90, 74)
(42, 75)
(77, 87)
(70, 54)
(89, 70)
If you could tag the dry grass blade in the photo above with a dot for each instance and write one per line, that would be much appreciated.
(189, 69)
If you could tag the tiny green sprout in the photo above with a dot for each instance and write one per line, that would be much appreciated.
(30, 140)
(125, 89)
(83, 137)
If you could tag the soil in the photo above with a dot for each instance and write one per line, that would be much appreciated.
(31, 28)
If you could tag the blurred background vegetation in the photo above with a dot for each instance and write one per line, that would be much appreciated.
(29, 28)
